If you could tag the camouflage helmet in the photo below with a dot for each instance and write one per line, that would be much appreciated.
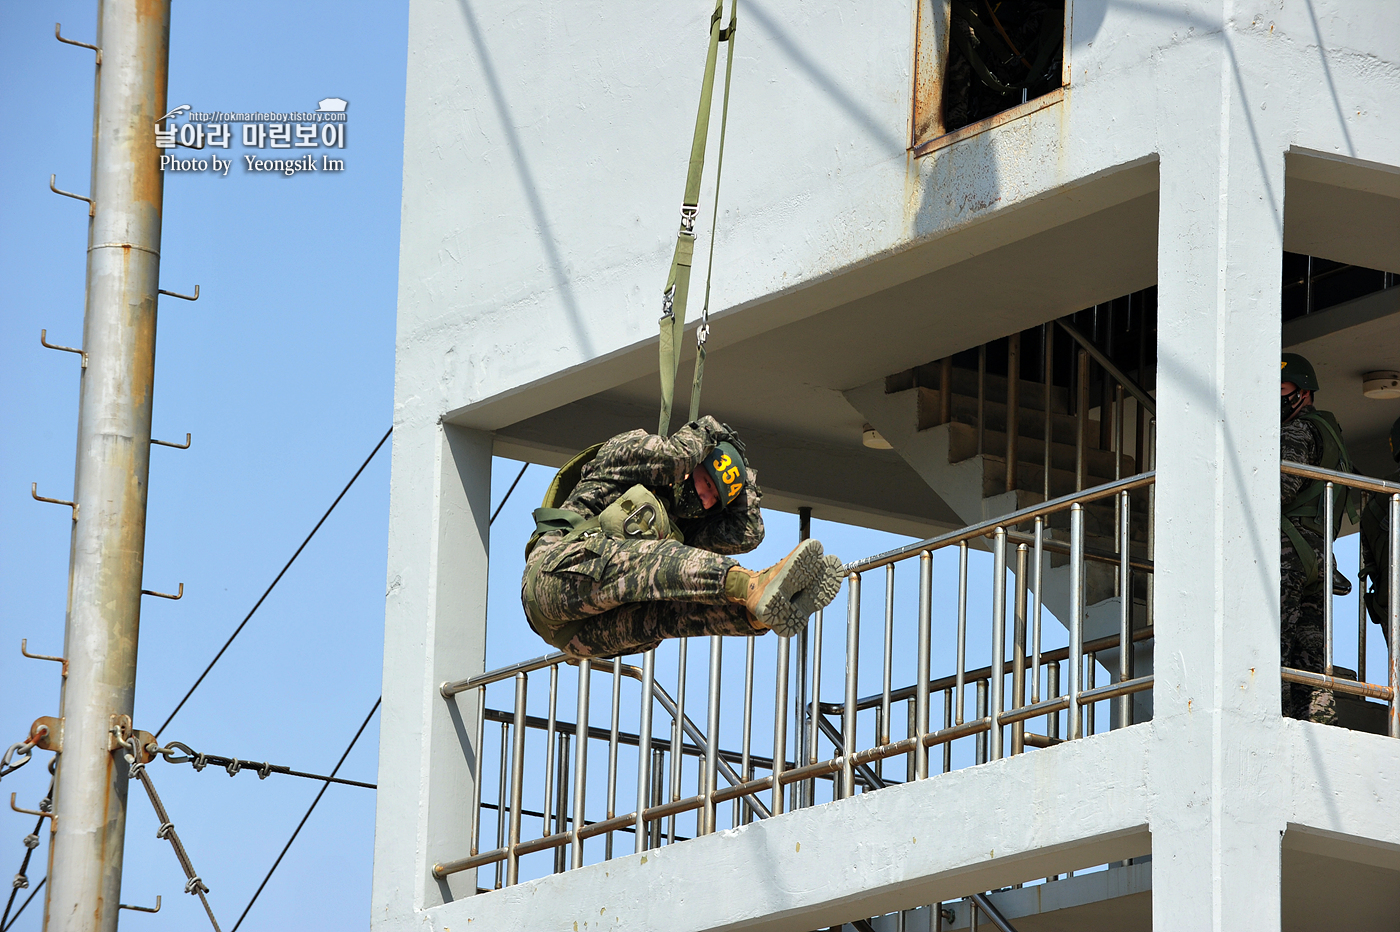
(1299, 371)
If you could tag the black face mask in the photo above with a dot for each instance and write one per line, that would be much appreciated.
(685, 501)
(1291, 404)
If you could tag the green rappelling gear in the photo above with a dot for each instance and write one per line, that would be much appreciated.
(1309, 508)
(677, 290)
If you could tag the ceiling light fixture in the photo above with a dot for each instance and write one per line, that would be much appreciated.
(872, 439)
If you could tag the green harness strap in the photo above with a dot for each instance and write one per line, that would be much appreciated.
(673, 300)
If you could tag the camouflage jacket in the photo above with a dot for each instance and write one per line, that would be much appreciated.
(639, 458)
(1300, 442)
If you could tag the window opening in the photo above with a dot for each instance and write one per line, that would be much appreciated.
(1001, 53)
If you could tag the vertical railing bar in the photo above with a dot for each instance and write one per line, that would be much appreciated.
(1393, 622)
(1117, 430)
(658, 790)
(1037, 573)
(1125, 608)
(712, 735)
(548, 814)
(613, 734)
(888, 685)
(848, 713)
(911, 730)
(561, 800)
(799, 789)
(1150, 451)
(1013, 409)
(961, 672)
(998, 676)
(813, 727)
(1090, 664)
(644, 761)
(517, 780)
(919, 720)
(1049, 330)
(745, 811)
(476, 782)
(501, 799)
(585, 670)
(678, 734)
(1052, 691)
(1361, 605)
(1076, 614)
(982, 736)
(947, 723)
(780, 717)
(1082, 424)
(981, 399)
(1018, 650)
(1325, 571)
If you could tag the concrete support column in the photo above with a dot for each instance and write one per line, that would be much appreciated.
(1219, 805)
(435, 630)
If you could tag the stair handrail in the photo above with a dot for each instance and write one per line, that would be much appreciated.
(1132, 387)
(984, 528)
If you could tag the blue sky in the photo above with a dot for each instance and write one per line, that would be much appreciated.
(282, 372)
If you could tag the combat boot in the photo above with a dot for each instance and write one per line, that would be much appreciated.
(784, 596)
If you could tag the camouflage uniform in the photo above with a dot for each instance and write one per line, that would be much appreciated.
(1300, 602)
(634, 593)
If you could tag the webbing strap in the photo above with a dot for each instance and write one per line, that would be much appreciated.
(702, 333)
(677, 289)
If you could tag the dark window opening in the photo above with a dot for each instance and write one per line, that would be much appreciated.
(1311, 284)
(1001, 53)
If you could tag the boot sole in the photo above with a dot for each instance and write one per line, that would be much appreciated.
(806, 583)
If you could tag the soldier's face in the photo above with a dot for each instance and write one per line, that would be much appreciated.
(705, 488)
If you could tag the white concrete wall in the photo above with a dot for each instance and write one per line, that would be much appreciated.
(544, 156)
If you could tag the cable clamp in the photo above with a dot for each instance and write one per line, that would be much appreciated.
(31, 841)
(195, 886)
(21, 882)
(199, 762)
(264, 771)
(165, 829)
(234, 765)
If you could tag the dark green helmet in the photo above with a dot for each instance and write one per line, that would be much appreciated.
(727, 468)
(1299, 371)
(1395, 440)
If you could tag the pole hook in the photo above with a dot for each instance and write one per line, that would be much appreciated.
(44, 341)
(165, 595)
(142, 909)
(176, 294)
(58, 34)
(178, 446)
(33, 812)
(92, 206)
(34, 491)
(24, 649)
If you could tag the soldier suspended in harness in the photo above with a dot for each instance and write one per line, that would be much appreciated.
(634, 544)
(1375, 546)
(1312, 438)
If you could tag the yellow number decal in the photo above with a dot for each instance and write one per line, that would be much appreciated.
(731, 474)
(722, 464)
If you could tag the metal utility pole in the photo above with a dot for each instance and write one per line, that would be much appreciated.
(114, 440)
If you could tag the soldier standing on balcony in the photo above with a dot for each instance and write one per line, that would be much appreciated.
(1312, 438)
(632, 547)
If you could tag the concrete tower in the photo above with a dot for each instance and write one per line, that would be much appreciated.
(873, 225)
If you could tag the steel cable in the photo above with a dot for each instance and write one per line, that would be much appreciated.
(310, 809)
(24, 865)
(275, 581)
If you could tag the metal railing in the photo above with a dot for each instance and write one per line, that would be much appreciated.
(685, 769)
(1327, 678)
